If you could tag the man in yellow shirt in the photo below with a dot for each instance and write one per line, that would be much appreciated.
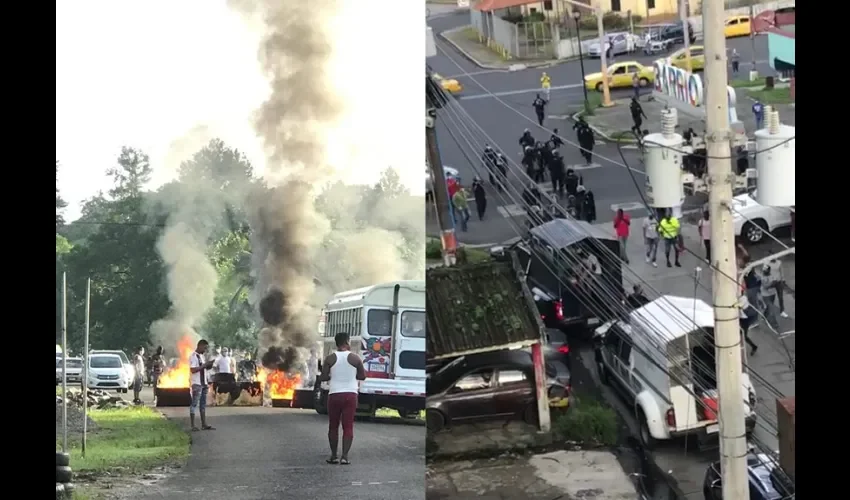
(546, 84)
(668, 229)
(461, 205)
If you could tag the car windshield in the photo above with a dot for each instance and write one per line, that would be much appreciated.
(105, 362)
(120, 354)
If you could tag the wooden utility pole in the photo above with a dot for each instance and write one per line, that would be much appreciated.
(727, 334)
(440, 191)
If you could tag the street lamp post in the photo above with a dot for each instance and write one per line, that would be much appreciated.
(577, 17)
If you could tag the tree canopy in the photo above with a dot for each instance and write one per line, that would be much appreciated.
(114, 243)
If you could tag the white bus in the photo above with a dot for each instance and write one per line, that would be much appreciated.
(387, 326)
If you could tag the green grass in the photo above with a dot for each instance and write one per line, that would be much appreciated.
(772, 96)
(589, 422)
(433, 249)
(758, 82)
(389, 413)
(594, 100)
(470, 33)
(135, 438)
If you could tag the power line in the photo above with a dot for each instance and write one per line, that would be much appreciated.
(451, 107)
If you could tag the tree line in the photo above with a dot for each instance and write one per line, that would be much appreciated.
(114, 240)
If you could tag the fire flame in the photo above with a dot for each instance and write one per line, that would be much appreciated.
(178, 376)
(280, 385)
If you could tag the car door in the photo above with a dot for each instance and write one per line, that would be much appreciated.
(744, 26)
(619, 77)
(610, 354)
(731, 27)
(697, 59)
(620, 46)
(633, 70)
(514, 391)
(623, 357)
(471, 396)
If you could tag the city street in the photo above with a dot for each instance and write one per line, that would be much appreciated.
(259, 453)
(505, 114)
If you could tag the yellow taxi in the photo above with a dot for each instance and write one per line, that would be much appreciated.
(620, 75)
(450, 85)
(737, 26)
(679, 60)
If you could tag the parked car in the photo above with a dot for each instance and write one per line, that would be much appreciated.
(450, 85)
(621, 43)
(620, 76)
(767, 481)
(737, 26)
(106, 371)
(752, 219)
(128, 366)
(681, 329)
(73, 371)
(675, 33)
(488, 386)
(557, 347)
(679, 58)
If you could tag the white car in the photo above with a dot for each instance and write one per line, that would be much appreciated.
(752, 219)
(128, 366)
(106, 371)
(429, 183)
(73, 371)
(623, 43)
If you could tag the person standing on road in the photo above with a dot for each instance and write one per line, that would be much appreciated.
(758, 113)
(200, 385)
(546, 85)
(157, 367)
(609, 50)
(501, 172)
(736, 61)
(225, 376)
(526, 139)
(139, 379)
(779, 284)
(704, 229)
(747, 317)
(343, 369)
(539, 105)
(555, 141)
(572, 182)
(461, 205)
(650, 238)
(668, 228)
(637, 116)
(768, 295)
(636, 85)
(586, 142)
(480, 197)
(528, 161)
(622, 221)
(556, 173)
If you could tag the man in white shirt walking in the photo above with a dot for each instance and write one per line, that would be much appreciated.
(344, 369)
(198, 369)
(138, 380)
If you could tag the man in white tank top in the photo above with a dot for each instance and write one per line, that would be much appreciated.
(343, 369)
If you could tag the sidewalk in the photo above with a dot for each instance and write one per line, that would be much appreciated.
(465, 40)
(613, 123)
(560, 474)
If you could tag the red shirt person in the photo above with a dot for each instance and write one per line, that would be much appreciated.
(622, 222)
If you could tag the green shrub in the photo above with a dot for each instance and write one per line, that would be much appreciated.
(589, 423)
(472, 255)
(433, 249)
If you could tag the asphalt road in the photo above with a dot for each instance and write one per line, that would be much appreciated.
(270, 453)
(504, 119)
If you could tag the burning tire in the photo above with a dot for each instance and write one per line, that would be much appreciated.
(63, 474)
(62, 459)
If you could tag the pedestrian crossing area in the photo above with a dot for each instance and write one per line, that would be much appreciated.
(517, 210)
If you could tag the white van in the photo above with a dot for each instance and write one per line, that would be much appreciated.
(655, 357)
(388, 328)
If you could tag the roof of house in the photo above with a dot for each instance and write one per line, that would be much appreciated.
(478, 308)
(489, 5)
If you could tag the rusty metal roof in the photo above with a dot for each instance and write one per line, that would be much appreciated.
(478, 308)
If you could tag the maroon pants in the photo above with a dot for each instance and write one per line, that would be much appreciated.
(341, 409)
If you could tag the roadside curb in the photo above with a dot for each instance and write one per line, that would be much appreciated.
(598, 131)
(512, 67)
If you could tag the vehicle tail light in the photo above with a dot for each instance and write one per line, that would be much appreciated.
(543, 317)
(564, 349)
(671, 418)
(559, 310)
